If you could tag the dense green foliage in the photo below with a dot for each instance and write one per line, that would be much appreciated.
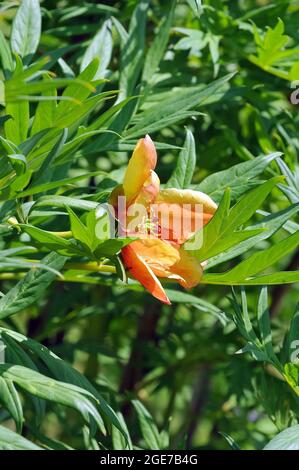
(91, 360)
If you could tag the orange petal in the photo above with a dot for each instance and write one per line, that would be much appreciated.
(143, 160)
(149, 191)
(183, 212)
(188, 196)
(158, 254)
(188, 270)
(143, 273)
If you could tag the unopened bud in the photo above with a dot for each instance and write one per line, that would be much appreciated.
(12, 221)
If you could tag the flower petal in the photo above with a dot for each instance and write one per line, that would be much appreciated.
(143, 160)
(158, 254)
(182, 212)
(141, 271)
(188, 196)
(149, 191)
(188, 270)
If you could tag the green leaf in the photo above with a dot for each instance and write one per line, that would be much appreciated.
(282, 277)
(99, 230)
(14, 354)
(46, 170)
(6, 56)
(183, 172)
(18, 162)
(77, 112)
(232, 443)
(9, 262)
(45, 111)
(193, 40)
(132, 51)
(270, 48)
(31, 288)
(149, 430)
(230, 241)
(213, 42)
(256, 352)
(263, 318)
(40, 188)
(117, 123)
(196, 6)
(272, 56)
(32, 147)
(291, 375)
(78, 94)
(51, 241)
(10, 440)
(118, 440)
(175, 107)
(212, 231)
(66, 373)
(157, 48)
(292, 190)
(249, 203)
(52, 390)
(100, 47)
(285, 440)
(64, 201)
(109, 248)
(66, 69)
(68, 152)
(18, 90)
(269, 224)
(10, 400)
(292, 336)
(260, 261)
(242, 319)
(239, 178)
(79, 230)
(219, 235)
(98, 227)
(73, 11)
(16, 128)
(26, 28)
(121, 31)
(202, 305)
(16, 184)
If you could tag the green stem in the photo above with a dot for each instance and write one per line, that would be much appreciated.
(92, 267)
(67, 234)
(8, 276)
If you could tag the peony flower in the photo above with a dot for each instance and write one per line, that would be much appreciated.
(162, 220)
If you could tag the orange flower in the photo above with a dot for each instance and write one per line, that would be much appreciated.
(162, 219)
